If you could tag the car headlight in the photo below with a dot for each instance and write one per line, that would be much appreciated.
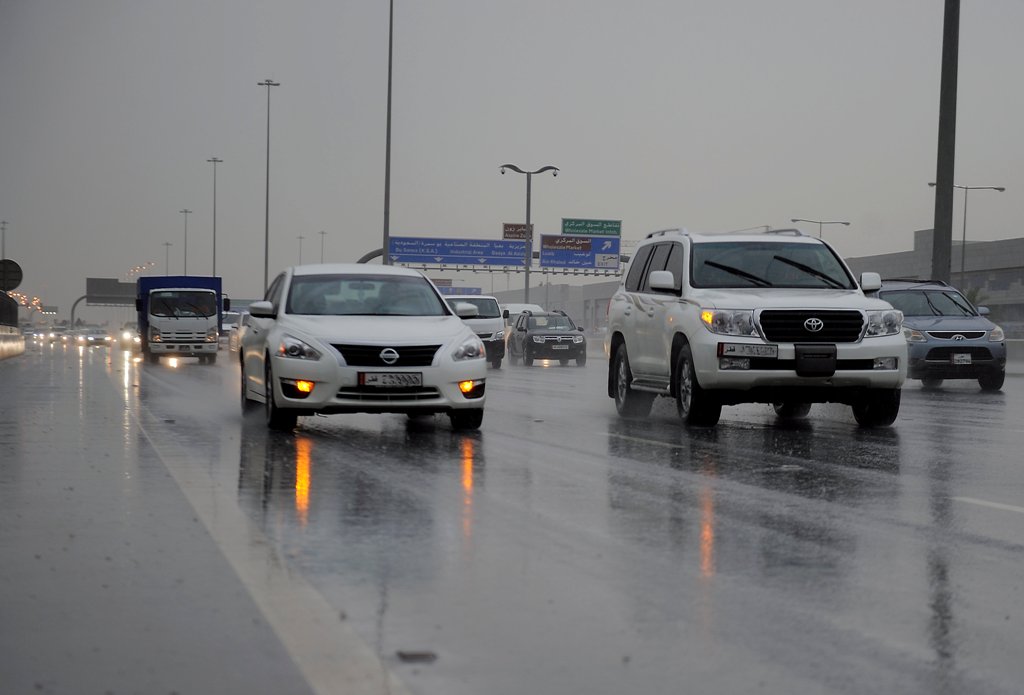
(997, 335)
(913, 336)
(126, 335)
(578, 339)
(499, 335)
(471, 348)
(729, 321)
(294, 348)
(154, 335)
(883, 322)
(538, 339)
(211, 335)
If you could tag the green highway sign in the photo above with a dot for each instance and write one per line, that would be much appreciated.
(591, 227)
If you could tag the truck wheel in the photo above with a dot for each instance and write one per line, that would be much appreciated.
(992, 381)
(277, 418)
(694, 404)
(628, 403)
(878, 409)
(152, 357)
(211, 359)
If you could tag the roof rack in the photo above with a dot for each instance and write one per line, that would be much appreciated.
(787, 232)
(918, 281)
(663, 232)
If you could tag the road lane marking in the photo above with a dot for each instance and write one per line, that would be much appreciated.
(990, 505)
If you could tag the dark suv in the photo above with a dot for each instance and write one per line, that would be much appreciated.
(546, 336)
(947, 336)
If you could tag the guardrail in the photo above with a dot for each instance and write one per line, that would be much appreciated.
(12, 342)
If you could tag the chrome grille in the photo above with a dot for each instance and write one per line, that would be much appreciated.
(952, 335)
(182, 336)
(556, 338)
(788, 325)
(369, 355)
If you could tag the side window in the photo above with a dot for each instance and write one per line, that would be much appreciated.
(274, 291)
(675, 264)
(636, 269)
(658, 259)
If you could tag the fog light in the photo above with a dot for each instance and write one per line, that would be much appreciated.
(466, 386)
(297, 388)
(888, 363)
(304, 386)
(734, 363)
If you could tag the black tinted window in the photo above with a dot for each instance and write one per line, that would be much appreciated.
(675, 265)
(636, 268)
(658, 260)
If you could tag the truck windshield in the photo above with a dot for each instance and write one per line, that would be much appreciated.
(182, 303)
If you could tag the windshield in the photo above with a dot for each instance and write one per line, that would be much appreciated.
(182, 303)
(550, 323)
(929, 302)
(363, 295)
(767, 264)
(487, 308)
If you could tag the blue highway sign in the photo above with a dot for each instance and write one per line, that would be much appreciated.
(579, 252)
(431, 251)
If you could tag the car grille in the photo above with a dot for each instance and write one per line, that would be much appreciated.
(367, 394)
(555, 338)
(787, 326)
(945, 354)
(182, 336)
(369, 355)
(952, 335)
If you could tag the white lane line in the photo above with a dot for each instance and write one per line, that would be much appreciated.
(990, 505)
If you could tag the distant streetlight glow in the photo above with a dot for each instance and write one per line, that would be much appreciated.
(963, 239)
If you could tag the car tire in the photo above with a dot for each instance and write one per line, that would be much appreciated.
(247, 404)
(993, 381)
(468, 419)
(693, 403)
(496, 364)
(277, 418)
(878, 409)
(581, 361)
(792, 410)
(931, 382)
(628, 402)
(564, 362)
(527, 358)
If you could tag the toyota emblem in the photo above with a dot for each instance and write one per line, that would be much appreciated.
(814, 325)
(389, 355)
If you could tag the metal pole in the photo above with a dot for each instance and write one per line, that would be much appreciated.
(185, 270)
(266, 233)
(942, 233)
(3, 239)
(167, 258)
(322, 235)
(963, 241)
(214, 161)
(300, 238)
(529, 239)
(386, 259)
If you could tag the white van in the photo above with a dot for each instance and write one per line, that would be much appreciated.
(511, 311)
(487, 324)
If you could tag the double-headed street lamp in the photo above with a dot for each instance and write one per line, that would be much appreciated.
(963, 240)
(529, 230)
(215, 162)
(186, 213)
(266, 234)
(819, 223)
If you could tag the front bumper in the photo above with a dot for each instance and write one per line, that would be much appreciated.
(556, 351)
(962, 360)
(183, 349)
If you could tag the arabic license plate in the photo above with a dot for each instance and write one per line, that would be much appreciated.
(559, 347)
(748, 350)
(961, 358)
(390, 380)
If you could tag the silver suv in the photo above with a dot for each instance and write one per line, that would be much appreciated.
(775, 317)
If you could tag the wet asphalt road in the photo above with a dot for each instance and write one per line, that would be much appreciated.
(155, 541)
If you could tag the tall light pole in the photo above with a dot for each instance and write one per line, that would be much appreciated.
(300, 238)
(266, 234)
(819, 223)
(322, 235)
(167, 257)
(215, 162)
(186, 213)
(386, 257)
(3, 239)
(529, 230)
(963, 239)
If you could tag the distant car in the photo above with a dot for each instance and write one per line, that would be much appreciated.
(546, 335)
(350, 338)
(93, 336)
(947, 336)
(238, 330)
(229, 324)
(129, 338)
(488, 324)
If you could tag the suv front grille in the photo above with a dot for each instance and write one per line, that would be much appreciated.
(555, 338)
(369, 355)
(952, 335)
(790, 325)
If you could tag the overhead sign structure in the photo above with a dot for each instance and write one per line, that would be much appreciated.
(109, 292)
(434, 251)
(515, 230)
(579, 252)
(591, 227)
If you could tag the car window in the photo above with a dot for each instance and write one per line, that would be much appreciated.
(675, 265)
(767, 264)
(915, 302)
(637, 268)
(550, 323)
(274, 291)
(657, 262)
(364, 295)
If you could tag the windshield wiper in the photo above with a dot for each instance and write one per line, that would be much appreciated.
(931, 305)
(812, 271)
(741, 273)
(967, 310)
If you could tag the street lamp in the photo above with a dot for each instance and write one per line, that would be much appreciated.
(529, 230)
(3, 239)
(186, 213)
(266, 234)
(819, 223)
(167, 257)
(963, 239)
(300, 238)
(215, 162)
(322, 235)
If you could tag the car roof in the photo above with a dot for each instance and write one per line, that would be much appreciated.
(354, 269)
(794, 236)
(907, 283)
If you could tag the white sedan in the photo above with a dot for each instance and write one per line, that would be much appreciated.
(349, 338)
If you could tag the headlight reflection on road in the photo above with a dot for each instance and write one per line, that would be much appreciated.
(303, 449)
(468, 450)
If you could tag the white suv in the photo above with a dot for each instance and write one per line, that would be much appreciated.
(775, 317)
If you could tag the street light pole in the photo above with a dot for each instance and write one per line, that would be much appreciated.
(3, 239)
(300, 238)
(819, 223)
(529, 230)
(266, 234)
(963, 239)
(167, 257)
(323, 234)
(386, 257)
(186, 213)
(215, 162)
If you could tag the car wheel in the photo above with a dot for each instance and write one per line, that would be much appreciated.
(993, 381)
(628, 402)
(564, 362)
(277, 418)
(790, 410)
(496, 364)
(247, 405)
(931, 382)
(694, 404)
(468, 419)
(878, 409)
(527, 358)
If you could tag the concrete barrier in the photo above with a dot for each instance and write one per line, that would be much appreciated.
(12, 342)
(1015, 356)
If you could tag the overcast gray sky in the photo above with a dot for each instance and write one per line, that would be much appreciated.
(708, 114)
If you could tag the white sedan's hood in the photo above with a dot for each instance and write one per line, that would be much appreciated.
(786, 298)
(377, 330)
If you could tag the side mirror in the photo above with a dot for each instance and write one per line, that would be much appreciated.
(662, 281)
(227, 304)
(870, 282)
(138, 305)
(262, 310)
(983, 311)
(465, 310)
(579, 328)
(504, 314)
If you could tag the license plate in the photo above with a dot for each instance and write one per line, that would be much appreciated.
(390, 380)
(559, 347)
(961, 358)
(748, 350)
